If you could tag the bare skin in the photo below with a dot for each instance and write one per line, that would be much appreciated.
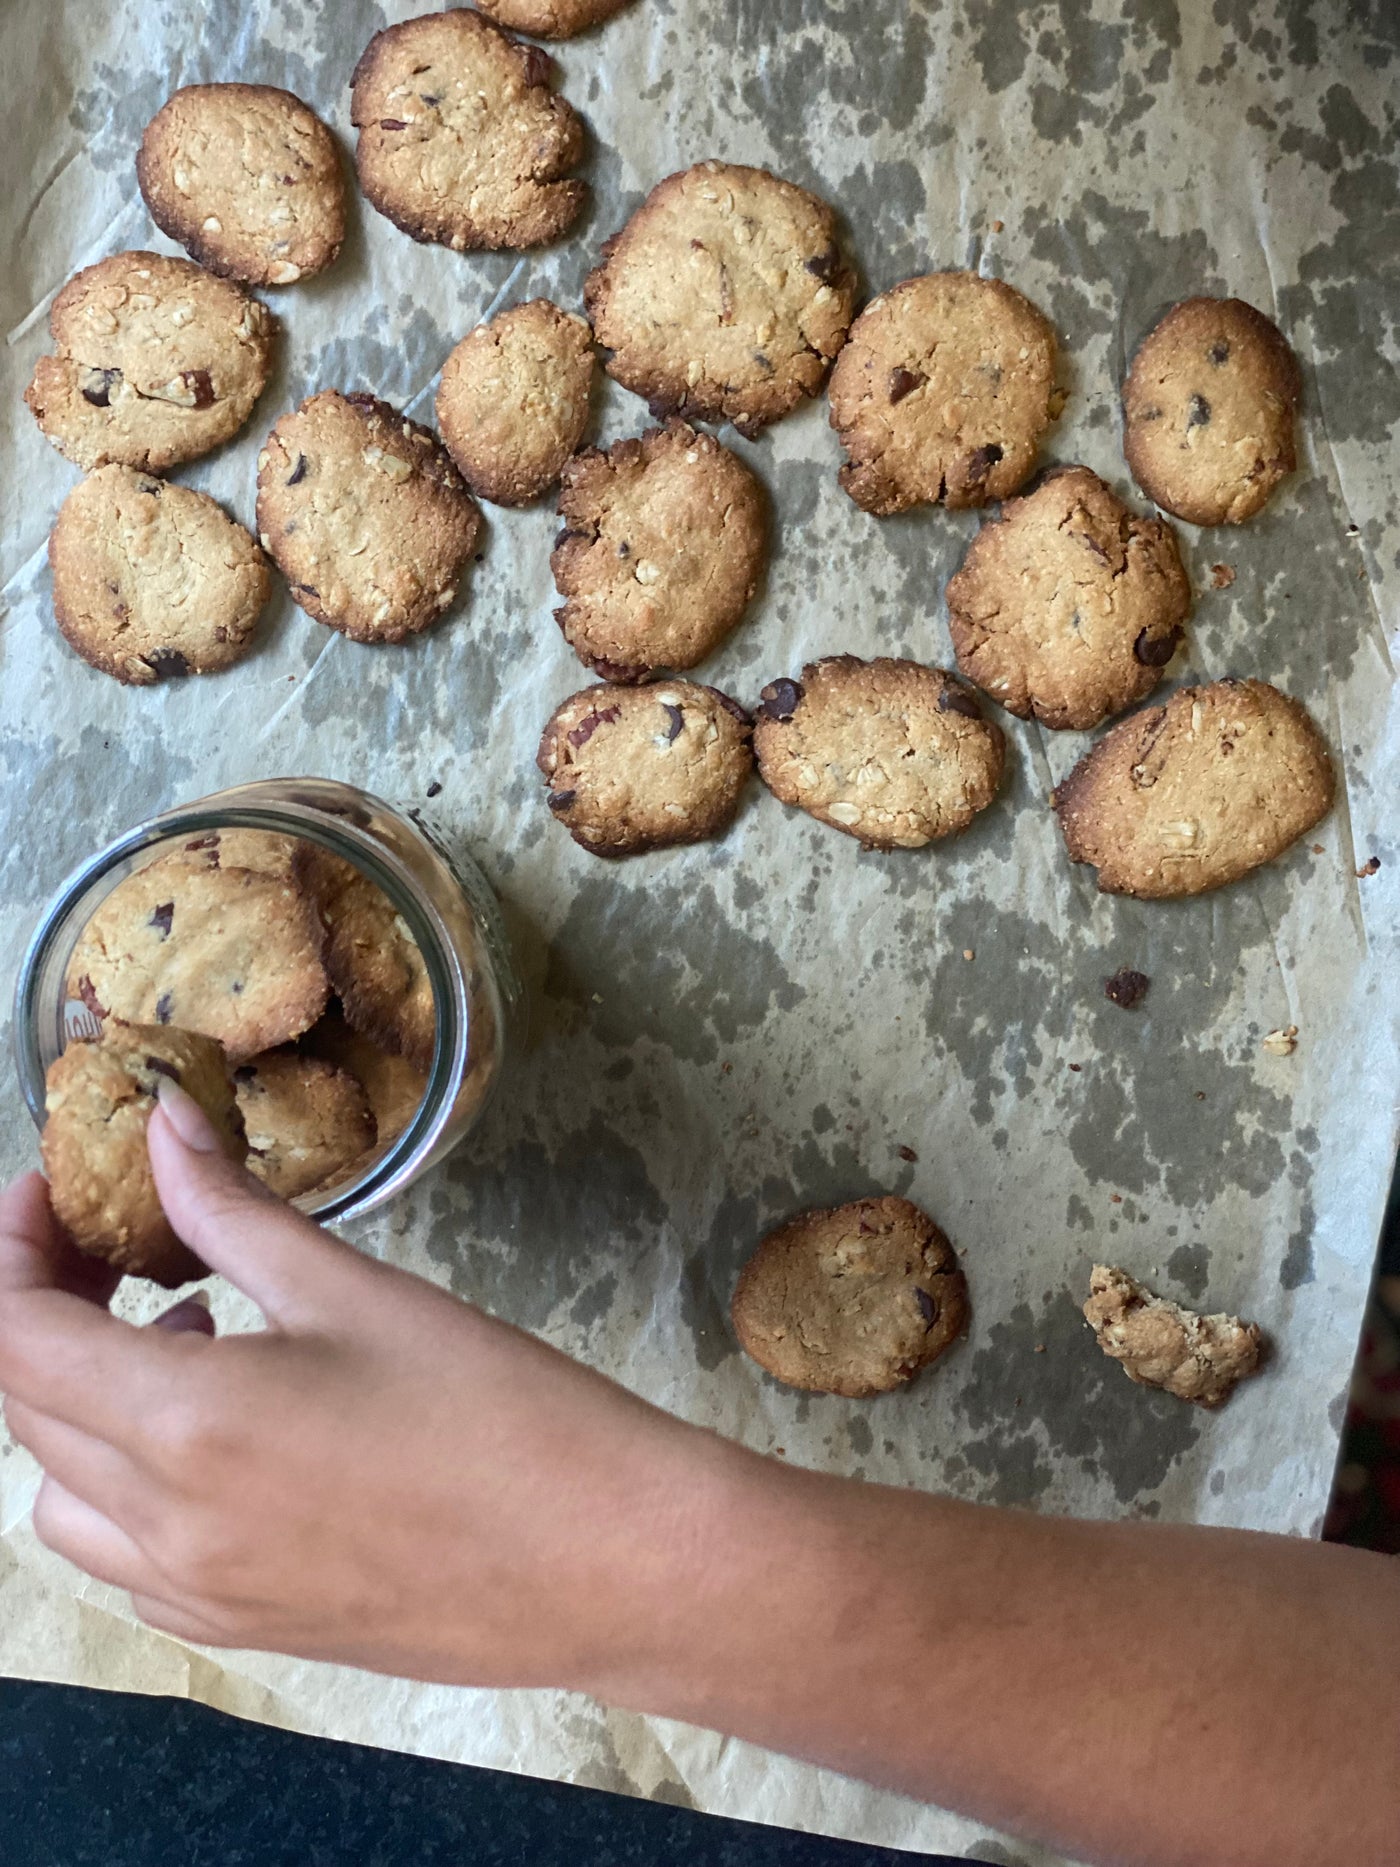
(1130, 1693)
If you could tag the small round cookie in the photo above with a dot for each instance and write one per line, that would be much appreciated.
(660, 553)
(854, 1300)
(890, 752)
(153, 580)
(724, 298)
(1191, 795)
(366, 516)
(1208, 411)
(462, 141)
(156, 361)
(1069, 606)
(100, 1099)
(247, 179)
(393, 1086)
(513, 401)
(943, 393)
(372, 959)
(229, 953)
(637, 768)
(550, 19)
(307, 1121)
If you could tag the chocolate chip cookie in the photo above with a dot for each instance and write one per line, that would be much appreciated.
(267, 851)
(724, 298)
(100, 1099)
(513, 401)
(308, 1122)
(366, 516)
(229, 953)
(890, 752)
(372, 959)
(550, 19)
(660, 553)
(1069, 606)
(247, 179)
(393, 1086)
(1160, 1344)
(854, 1301)
(1208, 411)
(462, 141)
(155, 361)
(637, 768)
(943, 393)
(1191, 795)
(152, 580)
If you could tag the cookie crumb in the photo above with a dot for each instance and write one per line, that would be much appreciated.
(1282, 1043)
(906, 1153)
(435, 789)
(1076, 1067)
(1222, 576)
(998, 226)
(1368, 868)
(1040, 1348)
(1127, 988)
(968, 953)
(1115, 1199)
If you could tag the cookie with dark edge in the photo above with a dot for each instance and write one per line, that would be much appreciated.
(724, 298)
(890, 752)
(155, 361)
(153, 580)
(1191, 795)
(247, 179)
(372, 959)
(550, 19)
(637, 768)
(1069, 606)
(99, 1101)
(854, 1300)
(660, 553)
(308, 1122)
(365, 515)
(1160, 1344)
(943, 393)
(462, 141)
(513, 402)
(230, 953)
(393, 1086)
(1208, 411)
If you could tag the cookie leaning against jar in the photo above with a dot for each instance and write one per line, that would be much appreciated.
(373, 962)
(309, 1123)
(155, 361)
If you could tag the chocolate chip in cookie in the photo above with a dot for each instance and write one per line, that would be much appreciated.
(155, 361)
(724, 298)
(661, 550)
(637, 768)
(890, 752)
(1069, 606)
(366, 516)
(943, 393)
(308, 1122)
(550, 19)
(1159, 1344)
(854, 1300)
(462, 141)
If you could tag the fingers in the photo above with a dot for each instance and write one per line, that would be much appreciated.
(81, 1534)
(87, 1467)
(35, 1251)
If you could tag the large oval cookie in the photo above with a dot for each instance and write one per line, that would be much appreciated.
(1191, 795)
(155, 361)
(1069, 606)
(854, 1300)
(888, 751)
(724, 298)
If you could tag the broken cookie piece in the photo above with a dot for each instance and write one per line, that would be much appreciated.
(1160, 1344)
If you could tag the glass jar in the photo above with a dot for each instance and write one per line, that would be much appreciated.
(442, 897)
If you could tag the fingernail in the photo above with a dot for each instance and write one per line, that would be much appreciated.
(187, 1118)
(189, 1316)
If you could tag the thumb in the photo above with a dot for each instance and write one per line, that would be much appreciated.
(261, 1245)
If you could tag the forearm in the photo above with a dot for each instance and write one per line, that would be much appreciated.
(1130, 1693)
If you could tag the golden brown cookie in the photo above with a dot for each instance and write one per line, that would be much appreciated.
(371, 957)
(660, 553)
(724, 298)
(1160, 1344)
(308, 1122)
(637, 768)
(393, 1086)
(550, 19)
(890, 752)
(1069, 606)
(153, 580)
(267, 851)
(854, 1301)
(100, 1099)
(229, 953)
(943, 393)
(155, 361)
(513, 401)
(462, 141)
(366, 516)
(1188, 796)
(247, 179)
(1208, 411)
